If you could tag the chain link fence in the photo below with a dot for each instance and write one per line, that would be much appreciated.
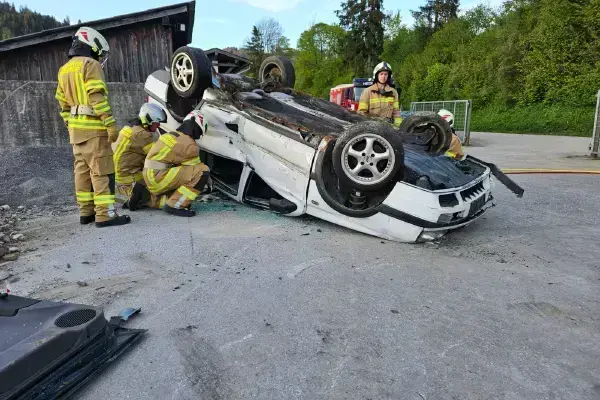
(461, 110)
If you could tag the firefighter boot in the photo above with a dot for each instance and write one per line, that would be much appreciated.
(118, 220)
(180, 212)
(87, 219)
(140, 196)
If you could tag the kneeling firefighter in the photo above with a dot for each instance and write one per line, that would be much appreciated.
(380, 99)
(174, 176)
(83, 99)
(134, 143)
(455, 151)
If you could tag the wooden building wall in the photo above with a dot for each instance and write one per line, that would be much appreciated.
(135, 52)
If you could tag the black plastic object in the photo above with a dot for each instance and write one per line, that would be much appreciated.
(282, 206)
(505, 180)
(128, 312)
(49, 349)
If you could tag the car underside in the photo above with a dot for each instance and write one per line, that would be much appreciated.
(275, 147)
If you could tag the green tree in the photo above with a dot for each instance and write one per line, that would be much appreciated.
(267, 39)
(319, 59)
(254, 49)
(24, 21)
(400, 41)
(363, 21)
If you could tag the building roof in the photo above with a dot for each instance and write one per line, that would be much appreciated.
(103, 24)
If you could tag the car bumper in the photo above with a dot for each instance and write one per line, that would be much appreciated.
(411, 214)
(439, 210)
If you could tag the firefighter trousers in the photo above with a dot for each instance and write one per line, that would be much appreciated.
(94, 178)
(177, 187)
(124, 186)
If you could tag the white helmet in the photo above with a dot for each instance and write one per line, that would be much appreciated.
(95, 40)
(152, 114)
(447, 115)
(382, 66)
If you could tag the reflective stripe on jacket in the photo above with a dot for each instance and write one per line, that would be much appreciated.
(375, 104)
(81, 82)
(174, 149)
(132, 146)
(455, 150)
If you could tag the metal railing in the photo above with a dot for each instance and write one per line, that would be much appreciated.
(461, 110)
(595, 145)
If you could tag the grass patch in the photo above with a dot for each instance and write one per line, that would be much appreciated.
(535, 119)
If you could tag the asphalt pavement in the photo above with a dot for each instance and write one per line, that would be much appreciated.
(245, 304)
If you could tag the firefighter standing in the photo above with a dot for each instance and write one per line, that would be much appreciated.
(455, 151)
(83, 98)
(380, 99)
(134, 142)
(173, 173)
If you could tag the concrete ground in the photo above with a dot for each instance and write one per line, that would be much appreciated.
(533, 151)
(245, 304)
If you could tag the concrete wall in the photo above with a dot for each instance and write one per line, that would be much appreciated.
(29, 114)
(36, 160)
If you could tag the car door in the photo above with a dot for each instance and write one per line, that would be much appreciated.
(282, 162)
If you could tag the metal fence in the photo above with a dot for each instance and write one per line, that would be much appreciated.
(595, 145)
(461, 110)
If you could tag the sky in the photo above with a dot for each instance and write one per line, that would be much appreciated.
(224, 23)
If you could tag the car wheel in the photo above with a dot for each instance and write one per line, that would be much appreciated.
(191, 72)
(368, 156)
(277, 69)
(427, 129)
(179, 106)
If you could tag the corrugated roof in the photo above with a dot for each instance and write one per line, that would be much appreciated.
(103, 24)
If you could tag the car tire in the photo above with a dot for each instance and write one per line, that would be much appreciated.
(178, 106)
(279, 69)
(349, 152)
(427, 129)
(191, 72)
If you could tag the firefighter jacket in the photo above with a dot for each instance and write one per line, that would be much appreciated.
(455, 150)
(375, 104)
(81, 83)
(132, 146)
(171, 151)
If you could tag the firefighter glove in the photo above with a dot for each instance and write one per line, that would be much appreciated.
(113, 132)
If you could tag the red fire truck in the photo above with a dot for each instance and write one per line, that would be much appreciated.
(348, 94)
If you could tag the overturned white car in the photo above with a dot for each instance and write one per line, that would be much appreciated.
(271, 146)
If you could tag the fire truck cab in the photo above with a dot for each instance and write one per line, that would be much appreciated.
(347, 95)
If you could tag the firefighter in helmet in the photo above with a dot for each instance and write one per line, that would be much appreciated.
(174, 176)
(134, 142)
(83, 99)
(455, 151)
(380, 99)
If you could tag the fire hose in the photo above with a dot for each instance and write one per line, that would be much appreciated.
(520, 171)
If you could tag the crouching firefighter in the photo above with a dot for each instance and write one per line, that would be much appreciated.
(134, 143)
(83, 98)
(456, 150)
(174, 176)
(380, 99)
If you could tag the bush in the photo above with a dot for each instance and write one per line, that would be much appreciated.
(536, 119)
